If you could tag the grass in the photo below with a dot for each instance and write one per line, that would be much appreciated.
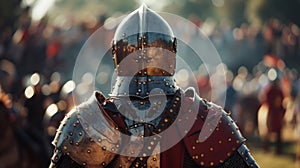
(270, 160)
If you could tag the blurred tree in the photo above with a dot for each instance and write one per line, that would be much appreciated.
(219, 10)
(262, 10)
(9, 12)
(95, 7)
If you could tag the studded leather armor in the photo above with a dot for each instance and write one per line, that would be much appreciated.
(75, 147)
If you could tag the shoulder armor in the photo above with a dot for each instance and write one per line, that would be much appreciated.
(214, 135)
(86, 136)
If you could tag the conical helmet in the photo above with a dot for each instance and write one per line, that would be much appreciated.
(144, 49)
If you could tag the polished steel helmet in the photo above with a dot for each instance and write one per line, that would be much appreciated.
(144, 53)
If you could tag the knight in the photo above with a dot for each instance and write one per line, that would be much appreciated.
(148, 120)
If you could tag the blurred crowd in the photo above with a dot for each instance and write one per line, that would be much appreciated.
(37, 61)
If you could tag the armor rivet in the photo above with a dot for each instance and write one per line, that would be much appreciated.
(220, 142)
(228, 124)
(202, 155)
(154, 138)
(103, 147)
(202, 163)
(193, 147)
(74, 125)
(145, 72)
(217, 129)
(246, 158)
(135, 126)
(149, 148)
(220, 121)
(196, 157)
(141, 158)
(242, 153)
(88, 151)
(232, 132)
(177, 98)
(166, 120)
(112, 149)
(137, 93)
(197, 141)
(229, 139)
(228, 154)
(117, 145)
(179, 120)
(99, 140)
(154, 159)
(144, 154)
(237, 141)
(152, 143)
(128, 158)
(211, 163)
(91, 140)
(149, 80)
(80, 133)
(77, 144)
(56, 158)
(171, 110)
(139, 90)
(159, 130)
(84, 164)
(103, 164)
(68, 153)
(211, 149)
(221, 161)
(124, 34)
(189, 110)
(71, 142)
(65, 147)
